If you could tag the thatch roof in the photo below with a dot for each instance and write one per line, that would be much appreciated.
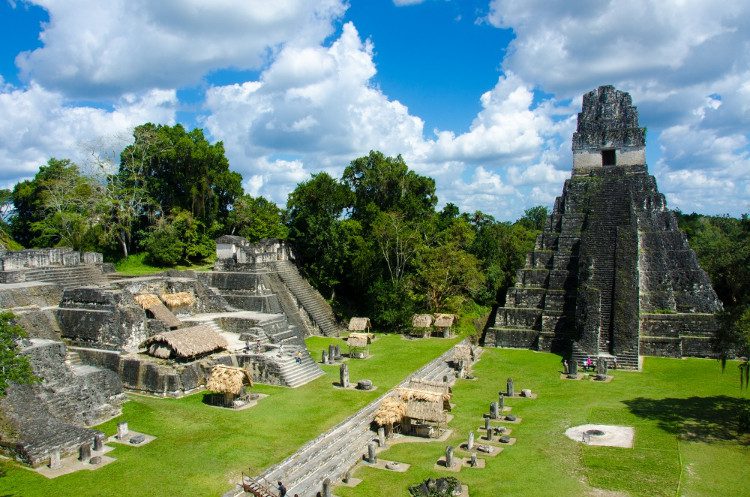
(187, 343)
(359, 324)
(426, 411)
(228, 379)
(426, 391)
(367, 336)
(436, 387)
(391, 411)
(154, 305)
(462, 353)
(357, 341)
(147, 300)
(444, 320)
(178, 299)
(421, 321)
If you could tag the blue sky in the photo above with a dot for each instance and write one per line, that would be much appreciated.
(480, 95)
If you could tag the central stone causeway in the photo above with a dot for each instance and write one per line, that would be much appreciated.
(332, 454)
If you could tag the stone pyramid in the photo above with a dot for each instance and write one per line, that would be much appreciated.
(611, 275)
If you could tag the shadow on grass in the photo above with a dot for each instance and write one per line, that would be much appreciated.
(703, 419)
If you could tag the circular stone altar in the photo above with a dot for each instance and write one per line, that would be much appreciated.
(609, 435)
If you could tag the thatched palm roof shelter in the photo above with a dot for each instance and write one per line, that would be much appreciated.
(359, 324)
(431, 412)
(444, 323)
(154, 306)
(357, 342)
(359, 345)
(227, 382)
(178, 300)
(421, 321)
(366, 336)
(421, 325)
(444, 320)
(186, 343)
(391, 411)
(426, 391)
(228, 379)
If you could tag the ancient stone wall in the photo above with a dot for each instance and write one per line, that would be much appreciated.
(102, 317)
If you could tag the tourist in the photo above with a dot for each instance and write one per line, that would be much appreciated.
(565, 366)
(614, 363)
(282, 490)
(298, 357)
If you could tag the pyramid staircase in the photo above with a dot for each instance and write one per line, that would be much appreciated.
(67, 277)
(296, 374)
(308, 298)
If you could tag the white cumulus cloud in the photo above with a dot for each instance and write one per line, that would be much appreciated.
(94, 48)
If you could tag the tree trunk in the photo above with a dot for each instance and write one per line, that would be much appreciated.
(124, 245)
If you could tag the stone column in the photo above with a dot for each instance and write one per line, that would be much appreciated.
(331, 354)
(494, 410)
(99, 441)
(501, 401)
(347, 476)
(487, 424)
(327, 487)
(344, 375)
(473, 460)
(449, 457)
(509, 385)
(337, 352)
(381, 436)
(489, 434)
(84, 452)
(372, 458)
(54, 459)
(573, 367)
(470, 443)
(324, 357)
(601, 366)
(122, 430)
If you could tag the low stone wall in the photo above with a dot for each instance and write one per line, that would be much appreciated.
(513, 338)
(144, 374)
(26, 294)
(102, 317)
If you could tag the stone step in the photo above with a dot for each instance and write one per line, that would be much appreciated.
(72, 358)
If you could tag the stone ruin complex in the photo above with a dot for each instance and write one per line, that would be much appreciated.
(611, 275)
(93, 333)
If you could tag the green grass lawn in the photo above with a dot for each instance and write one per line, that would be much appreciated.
(684, 413)
(200, 450)
(135, 265)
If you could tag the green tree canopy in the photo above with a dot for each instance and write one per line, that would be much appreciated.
(318, 231)
(386, 184)
(58, 207)
(14, 367)
(256, 218)
(182, 170)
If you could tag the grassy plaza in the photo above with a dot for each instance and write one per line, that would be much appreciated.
(684, 412)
